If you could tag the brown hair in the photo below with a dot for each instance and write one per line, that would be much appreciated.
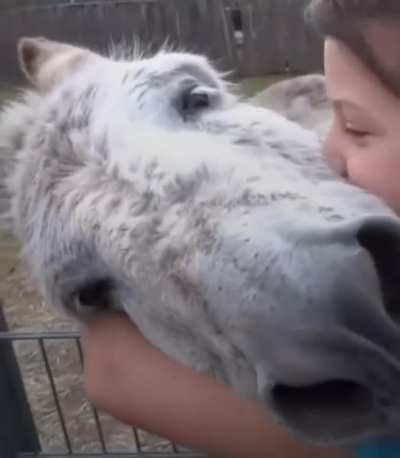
(345, 20)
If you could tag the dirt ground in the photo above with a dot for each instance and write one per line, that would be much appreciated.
(26, 311)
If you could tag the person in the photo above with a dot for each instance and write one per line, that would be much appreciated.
(362, 69)
(148, 390)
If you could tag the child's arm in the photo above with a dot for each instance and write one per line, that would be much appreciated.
(138, 384)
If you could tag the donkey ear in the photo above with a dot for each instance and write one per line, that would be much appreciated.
(45, 62)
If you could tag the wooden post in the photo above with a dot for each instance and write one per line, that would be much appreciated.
(17, 429)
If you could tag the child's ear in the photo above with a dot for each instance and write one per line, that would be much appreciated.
(45, 62)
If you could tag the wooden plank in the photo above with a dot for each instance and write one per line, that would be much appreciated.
(304, 47)
(276, 38)
(262, 46)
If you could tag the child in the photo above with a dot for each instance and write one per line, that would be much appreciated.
(153, 392)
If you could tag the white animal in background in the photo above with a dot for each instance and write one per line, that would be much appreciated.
(302, 99)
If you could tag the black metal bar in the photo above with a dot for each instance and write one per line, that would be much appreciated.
(94, 410)
(55, 396)
(114, 455)
(137, 440)
(17, 428)
(38, 335)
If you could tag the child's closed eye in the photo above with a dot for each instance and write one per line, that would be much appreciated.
(356, 131)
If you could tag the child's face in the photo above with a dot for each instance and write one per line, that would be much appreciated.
(364, 141)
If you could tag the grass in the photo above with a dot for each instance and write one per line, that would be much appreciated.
(251, 86)
(8, 254)
(8, 247)
(6, 92)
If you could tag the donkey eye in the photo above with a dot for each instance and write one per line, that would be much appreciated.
(193, 100)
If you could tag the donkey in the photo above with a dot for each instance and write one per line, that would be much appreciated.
(144, 185)
(302, 99)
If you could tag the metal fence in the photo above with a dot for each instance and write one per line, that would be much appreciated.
(19, 435)
(250, 37)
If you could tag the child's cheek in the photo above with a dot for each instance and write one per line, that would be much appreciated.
(378, 174)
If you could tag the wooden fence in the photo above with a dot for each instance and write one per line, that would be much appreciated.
(250, 37)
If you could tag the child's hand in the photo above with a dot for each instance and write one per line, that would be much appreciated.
(138, 384)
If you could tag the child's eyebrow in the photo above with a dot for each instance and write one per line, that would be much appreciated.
(338, 104)
(342, 105)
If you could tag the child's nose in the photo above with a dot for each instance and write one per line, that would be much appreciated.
(335, 155)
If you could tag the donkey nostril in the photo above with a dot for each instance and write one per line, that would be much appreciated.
(381, 238)
(93, 295)
(385, 401)
(322, 395)
(322, 407)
